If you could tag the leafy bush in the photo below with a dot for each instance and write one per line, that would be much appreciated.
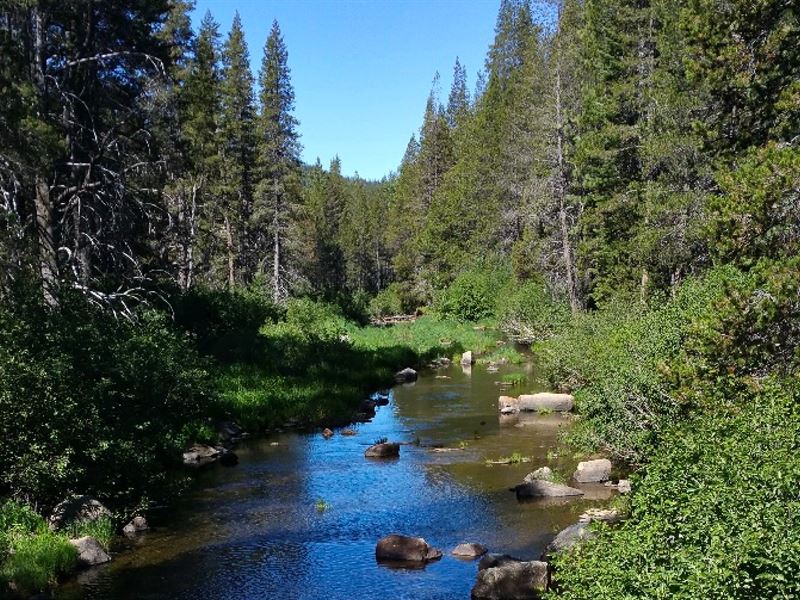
(225, 323)
(473, 295)
(387, 302)
(616, 359)
(527, 313)
(90, 404)
(715, 514)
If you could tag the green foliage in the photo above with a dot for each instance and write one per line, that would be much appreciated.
(615, 359)
(105, 400)
(515, 379)
(225, 323)
(473, 295)
(31, 555)
(528, 313)
(714, 515)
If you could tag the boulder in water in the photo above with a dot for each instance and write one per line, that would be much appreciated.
(546, 401)
(593, 471)
(383, 450)
(402, 548)
(467, 360)
(90, 552)
(407, 375)
(538, 488)
(469, 550)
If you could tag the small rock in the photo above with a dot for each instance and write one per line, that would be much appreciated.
(526, 580)
(607, 515)
(469, 550)
(407, 375)
(508, 405)
(229, 431)
(383, 450)
(136, 525)
(624, 486)
(540, 474)
(546, 401)
(593, 471)
(200, 454)
(327, 433)
(77, 509)
(274, 443)
(90, 552)
(347, 432)
(467, 359)
(381, 399)
(544, 489)
(229, 459)
(402, 548)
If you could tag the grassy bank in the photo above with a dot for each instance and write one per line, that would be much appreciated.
(317, 365)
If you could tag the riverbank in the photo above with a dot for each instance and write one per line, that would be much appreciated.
(307, 367)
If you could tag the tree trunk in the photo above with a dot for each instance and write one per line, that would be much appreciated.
(276, 257)
(231, 257)
(560, 191)
(48, 261)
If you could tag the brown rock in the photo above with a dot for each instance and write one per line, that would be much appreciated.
(402, 548)
(469, 550)
(384, 450)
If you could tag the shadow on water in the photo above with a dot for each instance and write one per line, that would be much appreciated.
(255, 531)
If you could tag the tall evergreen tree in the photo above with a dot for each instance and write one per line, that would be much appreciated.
(237, 121)
(278, 164)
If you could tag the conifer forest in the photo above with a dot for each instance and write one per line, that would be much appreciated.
(606, 211)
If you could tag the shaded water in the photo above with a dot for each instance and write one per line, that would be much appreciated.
(253, 531)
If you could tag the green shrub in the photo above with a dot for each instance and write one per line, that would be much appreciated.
(616, 359)
(473, 295)
(387, 302)
(527, 313)
(225, 323)
(92, 404)
(714, 514)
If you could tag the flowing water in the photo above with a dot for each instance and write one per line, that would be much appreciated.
(256, 530)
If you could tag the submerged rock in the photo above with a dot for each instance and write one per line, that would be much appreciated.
(77, 509)
(523, 580)
(347, 432)
(469, 550)
(136, 525)
(383, 450)
(407, 375)
(402, 548)
(593, 471)
(90, 552)
(538, 488)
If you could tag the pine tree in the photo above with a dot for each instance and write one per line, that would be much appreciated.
(458, 100)
(278, 164)
(236, 126)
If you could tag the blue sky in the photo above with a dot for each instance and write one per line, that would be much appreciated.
(362, 69)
